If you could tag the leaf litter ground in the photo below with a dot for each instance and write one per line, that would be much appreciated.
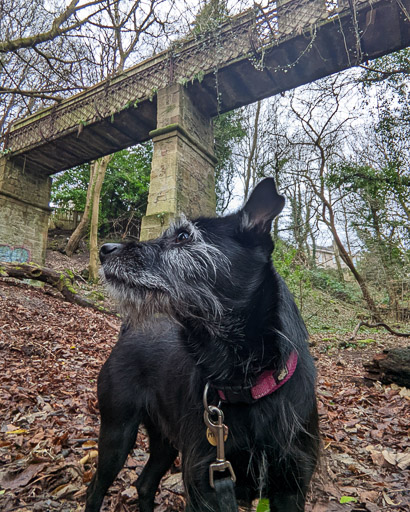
(51, 353)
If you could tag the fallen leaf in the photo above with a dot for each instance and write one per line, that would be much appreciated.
(14, 480)
(348, 499)
(403, 460)
(89, 444)
(18, 431)
(91, 455)
(369, 496)
(389, 501)
(389, 457)
(64, 490)
(404, 393)
(130, 492)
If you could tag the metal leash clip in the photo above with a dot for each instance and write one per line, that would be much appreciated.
(217, 433)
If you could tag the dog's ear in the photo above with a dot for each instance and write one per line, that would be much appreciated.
(263, 205)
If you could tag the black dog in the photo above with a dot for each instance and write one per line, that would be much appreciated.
(204, 305)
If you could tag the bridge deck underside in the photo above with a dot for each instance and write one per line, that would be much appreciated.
(86, 143)
(302, 58)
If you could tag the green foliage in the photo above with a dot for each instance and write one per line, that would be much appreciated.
(294, 273)
(378, 215)
(126, 183)
(263, 506)
(347, 499)
(228, 131)
(69, 188)
(125, 188)
(358, 344)
(360, 178)
(391, 74)
(372, 185)
(328, 281)
(389, 152)
(393, 69)
(303, 282)
(366, 341)
(210, 16)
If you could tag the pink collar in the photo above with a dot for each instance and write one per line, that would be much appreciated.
(266, 383)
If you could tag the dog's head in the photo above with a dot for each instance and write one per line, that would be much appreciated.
(199, 269)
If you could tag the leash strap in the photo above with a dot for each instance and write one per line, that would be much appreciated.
(225, 492)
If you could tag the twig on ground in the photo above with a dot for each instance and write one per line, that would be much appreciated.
(372, 326)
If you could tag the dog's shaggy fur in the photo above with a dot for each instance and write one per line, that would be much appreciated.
(204, 304)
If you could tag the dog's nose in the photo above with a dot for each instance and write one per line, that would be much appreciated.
(107, 250)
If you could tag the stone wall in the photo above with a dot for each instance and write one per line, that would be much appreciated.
(24, 213)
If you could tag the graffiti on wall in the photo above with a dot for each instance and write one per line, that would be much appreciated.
(11, 254)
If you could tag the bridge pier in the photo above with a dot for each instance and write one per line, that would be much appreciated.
(182, 172)
(24, 198)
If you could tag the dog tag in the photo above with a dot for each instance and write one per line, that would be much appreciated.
(212, 437)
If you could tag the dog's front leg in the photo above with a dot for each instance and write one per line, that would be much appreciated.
(287, 503)
(161, 456)
(116, 440)
(288, 488)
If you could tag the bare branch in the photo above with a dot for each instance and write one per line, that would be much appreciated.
(31, 94)
(383, 73)
(57, 28)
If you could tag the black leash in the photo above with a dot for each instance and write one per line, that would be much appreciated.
(225, 492)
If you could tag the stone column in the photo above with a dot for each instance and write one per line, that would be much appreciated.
(182, 173)
(24, 213)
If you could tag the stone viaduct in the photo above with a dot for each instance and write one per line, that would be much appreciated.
(172, 97)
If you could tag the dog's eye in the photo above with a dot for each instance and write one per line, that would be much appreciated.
(183, 236)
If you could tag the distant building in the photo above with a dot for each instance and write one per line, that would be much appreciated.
(326, 258)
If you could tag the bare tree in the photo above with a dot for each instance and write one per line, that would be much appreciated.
(250, 160)
(49, 51)
(42, 54)
(322, 130)
(100, 168)
(263, 151)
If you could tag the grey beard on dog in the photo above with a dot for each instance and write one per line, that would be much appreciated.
(169, 279)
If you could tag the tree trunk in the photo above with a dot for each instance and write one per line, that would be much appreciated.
(252, 152)
(348, 260)
(360, 281)
(338, 263)
(313, 254)
(81, 230)
(99, 174)
(390, 366)
(277, 169)
(59, 280)
(383, 251)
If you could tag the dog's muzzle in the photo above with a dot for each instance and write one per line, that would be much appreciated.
(108, 250)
